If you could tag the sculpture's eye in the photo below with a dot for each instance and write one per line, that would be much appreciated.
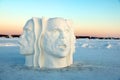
(55, 32)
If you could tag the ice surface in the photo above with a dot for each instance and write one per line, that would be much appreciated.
(96, 63)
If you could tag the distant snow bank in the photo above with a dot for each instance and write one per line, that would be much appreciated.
(97, 43)
(109, 46)
(83, 43)
(9, 42)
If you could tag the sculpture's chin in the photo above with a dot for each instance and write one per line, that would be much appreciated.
(61, 54)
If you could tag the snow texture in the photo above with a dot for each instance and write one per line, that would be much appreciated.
(93, 62)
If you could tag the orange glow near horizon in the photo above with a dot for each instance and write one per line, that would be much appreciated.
(9, 30)
(97, 32)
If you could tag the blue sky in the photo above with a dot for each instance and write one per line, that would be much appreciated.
(90, 17)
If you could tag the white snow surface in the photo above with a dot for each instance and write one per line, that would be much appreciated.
(94, 59)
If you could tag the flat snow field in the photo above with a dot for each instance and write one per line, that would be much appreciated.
(94, 59)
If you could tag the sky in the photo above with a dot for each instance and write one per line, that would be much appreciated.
(90, 17)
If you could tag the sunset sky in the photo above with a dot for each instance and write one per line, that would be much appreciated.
(90, 17)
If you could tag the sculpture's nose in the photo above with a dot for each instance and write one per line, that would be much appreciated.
(62, 35)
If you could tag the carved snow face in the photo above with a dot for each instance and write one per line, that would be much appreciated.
(27, 39)
(57, 38)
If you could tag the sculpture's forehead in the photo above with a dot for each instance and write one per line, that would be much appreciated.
(56, 23)
(29, 26)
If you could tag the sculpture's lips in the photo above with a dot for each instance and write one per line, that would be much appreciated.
(63, 46)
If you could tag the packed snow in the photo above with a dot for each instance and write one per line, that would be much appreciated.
(94, 59)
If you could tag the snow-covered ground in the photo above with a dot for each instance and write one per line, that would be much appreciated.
(94, 59)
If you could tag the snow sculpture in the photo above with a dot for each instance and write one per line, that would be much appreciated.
(48, 43)
(28, 41)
